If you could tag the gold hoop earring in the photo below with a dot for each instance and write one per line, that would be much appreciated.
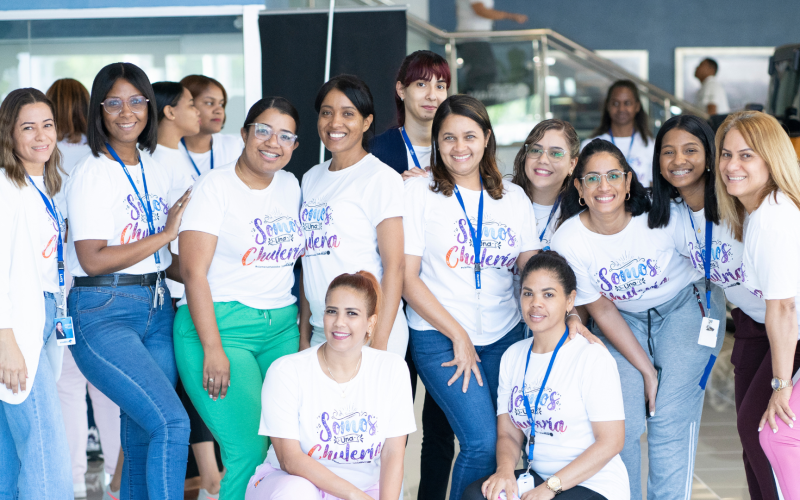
(581, 202)
(628, 196)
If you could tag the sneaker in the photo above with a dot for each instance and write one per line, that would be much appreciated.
(205, 495)
(79, 490)
(110, 495)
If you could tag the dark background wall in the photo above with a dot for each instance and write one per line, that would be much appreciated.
(654, 25)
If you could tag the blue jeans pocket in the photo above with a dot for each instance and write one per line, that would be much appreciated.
(93, 301)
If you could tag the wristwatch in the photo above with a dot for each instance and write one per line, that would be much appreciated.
(554, 484)
(779, 383)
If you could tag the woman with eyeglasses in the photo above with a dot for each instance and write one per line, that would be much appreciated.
(122, 220)
(352, 215)
(239, 241)
(653, 331)
(209, 148)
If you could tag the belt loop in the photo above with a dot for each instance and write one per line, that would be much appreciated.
(116, 279)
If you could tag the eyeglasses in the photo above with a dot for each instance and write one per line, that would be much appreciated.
(265, 132)
(535, 152)
(136, 103)
(614, 177)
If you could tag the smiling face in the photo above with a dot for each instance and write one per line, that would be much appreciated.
(422, 97)
(608, 195)
(346, 320)
(126, 126)
(743, 171)
(623, 106)
(340, 126)
(35, 135)
(544, 301)
(682, 160)
(268, 156)
(461, 144)
(187, 116)
(211, 103)
(546, 172)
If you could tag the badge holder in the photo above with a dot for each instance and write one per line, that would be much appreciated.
(709, 328)
(65, 335)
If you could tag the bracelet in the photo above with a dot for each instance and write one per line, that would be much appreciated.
(574, 314)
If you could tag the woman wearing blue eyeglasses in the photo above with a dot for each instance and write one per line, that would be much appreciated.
(238, 244)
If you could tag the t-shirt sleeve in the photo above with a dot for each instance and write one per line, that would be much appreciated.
(401, 416)
(414, 218)
(776, 255)
(385, 196)
(206, 210)
(601, 390)
(505, 380)
(280, 402)
(563, 244)
(89, 190)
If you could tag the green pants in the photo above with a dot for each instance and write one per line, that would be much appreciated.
(252, 339)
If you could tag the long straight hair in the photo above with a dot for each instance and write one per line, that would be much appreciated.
(9, 161)
(639, 121)
(574, 144)
(71, 101)
(767, 138)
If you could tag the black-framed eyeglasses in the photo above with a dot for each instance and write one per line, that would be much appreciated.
(136, 103)
(265, 132)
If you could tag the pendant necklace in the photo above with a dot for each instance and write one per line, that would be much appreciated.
(324, 348)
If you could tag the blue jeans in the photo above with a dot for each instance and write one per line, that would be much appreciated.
(34, 454)
(124, 348)
(472, 415)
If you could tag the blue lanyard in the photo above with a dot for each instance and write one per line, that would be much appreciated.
(630, 147)
(409, 146)
(148, 210)
(192, 159)
(52, 209)
(706, 256)
(528, 412)
(550, 217)
(476, 235)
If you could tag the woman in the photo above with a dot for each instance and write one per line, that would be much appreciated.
(422, 83)
(334, 410)
(683, 172)
(209, 148)
(351, 215)
(33, 444)
(462, 320)
(118, 254)
(71, 101)
(758, 178)
(239, 242)
(624, 123)
(656, 323)
(579, 416)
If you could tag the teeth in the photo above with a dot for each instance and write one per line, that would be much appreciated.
(268, 155)
(337, 136)
(543, 172)
(735, 178)
(680, 172)
(340, 336)
(604, 198)
(127, 126)
(462, 157)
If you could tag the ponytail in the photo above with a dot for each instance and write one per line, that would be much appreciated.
(363, 282)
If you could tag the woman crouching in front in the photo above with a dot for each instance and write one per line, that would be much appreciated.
(338, 413)
(572, 387)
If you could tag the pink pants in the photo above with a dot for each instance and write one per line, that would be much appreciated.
(72, 392)
(269, 483)
(783, 450)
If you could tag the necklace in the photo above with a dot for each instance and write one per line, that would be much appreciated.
(324, 348)
(241, 176)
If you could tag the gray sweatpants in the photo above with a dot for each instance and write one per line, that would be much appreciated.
(672, 432)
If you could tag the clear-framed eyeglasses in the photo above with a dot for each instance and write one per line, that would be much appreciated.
(136, 103)
(265, 132)
(535, 152)
(613, 177)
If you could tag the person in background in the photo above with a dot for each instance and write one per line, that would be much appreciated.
(624, 124)
(33, 445)
(121, 223)
(422, 83)
(352, 215)
(338, 414)
(711, 97)
(758, 187)
(210, 148)
(71, 101)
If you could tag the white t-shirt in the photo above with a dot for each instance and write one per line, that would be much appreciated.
(436, 230)
(639, 155)
(340, 214)
(637, 268)
(712, 92)
(345, 434)
(726, 263)
(71, 155)
(103, 206)
(226, 147)
(542, 214)
(468, 20)
(259, 237)
(583, 387)
(423, 156)
(48, 231)
(771, 267)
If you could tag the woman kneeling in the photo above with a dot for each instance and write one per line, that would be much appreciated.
(338, 413)
(575, 390)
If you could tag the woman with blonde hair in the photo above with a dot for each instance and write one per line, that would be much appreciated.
(758, 189)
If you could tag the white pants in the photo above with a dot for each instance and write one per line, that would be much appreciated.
(398, 337)
(72, 392)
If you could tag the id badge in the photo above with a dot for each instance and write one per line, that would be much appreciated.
(708, 332)
(65, 335)
(524, 483)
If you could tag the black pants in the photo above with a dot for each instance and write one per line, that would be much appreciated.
(438, 444)
(473, 491)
